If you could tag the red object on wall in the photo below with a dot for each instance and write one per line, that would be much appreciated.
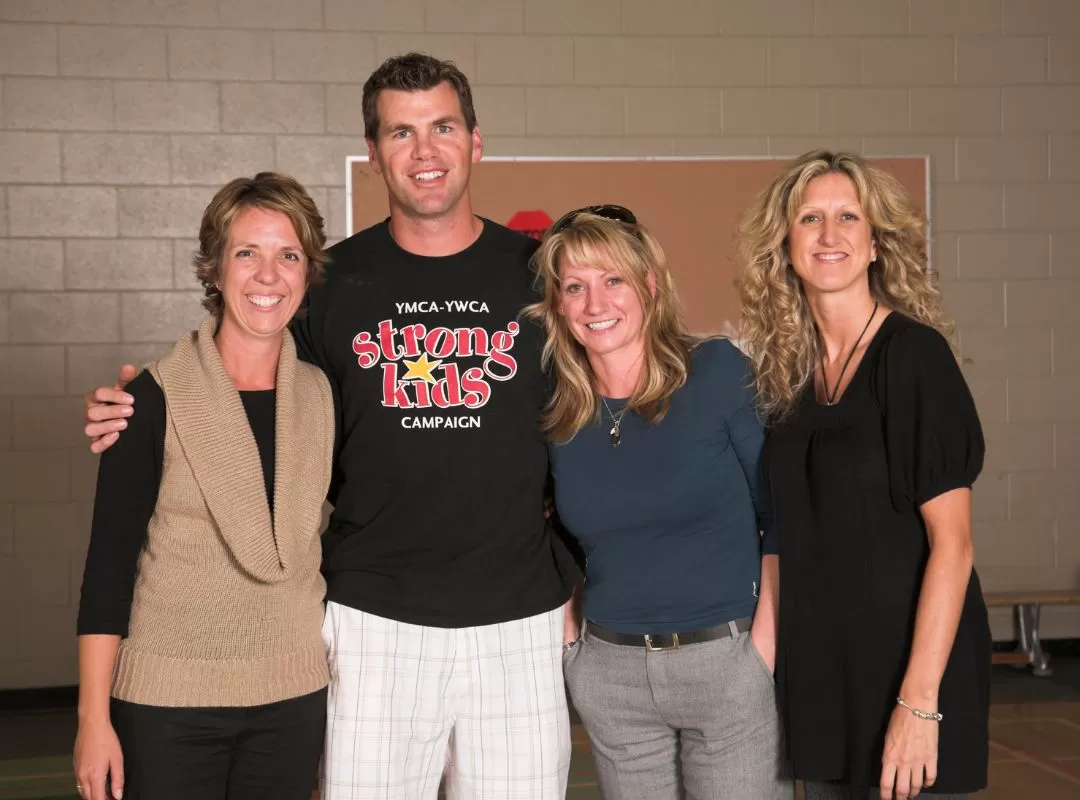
(531, 223)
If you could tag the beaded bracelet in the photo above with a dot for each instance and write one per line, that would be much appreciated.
(928, 715)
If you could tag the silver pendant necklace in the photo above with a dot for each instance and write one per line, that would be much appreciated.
(615, 434)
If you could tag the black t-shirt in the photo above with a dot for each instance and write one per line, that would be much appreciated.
(440, 465)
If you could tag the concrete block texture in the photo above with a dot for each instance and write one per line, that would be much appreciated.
(32, 370)
(216, 160)
(993, 61)
(474, 16)
(286, 15)
(36, 264)
(599, 17)
(675, 17)
(374, 15)
(93, 51)
(457, 47)
(29, 157)
(27, 49)
(574, 111)
(115, 158)
(55, 11)
(860, 17)
(982, 17)
(752, 112)
(159, 316)
(170, 212)
(815, 61)
(326, 56)
(58, 104)
(61, 211)
(525, 60)
(186, 13)
(172, 106)
(118, 264)
(1039, 17)
(317, 160)
(220, 55)
(700, 61)
(274, 107)
(1064, 59)
(77, 317)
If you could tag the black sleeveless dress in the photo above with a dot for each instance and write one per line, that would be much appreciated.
(846, 482)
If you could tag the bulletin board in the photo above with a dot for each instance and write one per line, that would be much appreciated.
(691, 205)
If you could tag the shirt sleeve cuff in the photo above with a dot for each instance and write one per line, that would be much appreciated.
(770, 542)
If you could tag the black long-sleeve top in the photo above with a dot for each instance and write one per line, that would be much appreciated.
(129, 476)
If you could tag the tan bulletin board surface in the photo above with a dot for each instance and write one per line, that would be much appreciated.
(692, 206)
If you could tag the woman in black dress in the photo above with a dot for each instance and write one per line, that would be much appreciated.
(873, 445)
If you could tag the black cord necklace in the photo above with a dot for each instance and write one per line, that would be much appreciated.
(830, 397)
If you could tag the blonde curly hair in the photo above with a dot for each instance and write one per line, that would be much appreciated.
(633, 254)
(778, 330)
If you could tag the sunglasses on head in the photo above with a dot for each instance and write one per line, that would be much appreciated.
(607, 211)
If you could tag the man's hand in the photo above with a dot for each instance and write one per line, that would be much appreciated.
(106, 409)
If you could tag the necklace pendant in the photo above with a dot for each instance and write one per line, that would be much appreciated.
(616, 435)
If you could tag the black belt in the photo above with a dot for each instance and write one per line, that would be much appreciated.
(668, 641)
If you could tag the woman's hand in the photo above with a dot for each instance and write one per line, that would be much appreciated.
(572, 616)
(764, 641)
(909, 761)
(763, 628)
(571, 623)
(98, 759)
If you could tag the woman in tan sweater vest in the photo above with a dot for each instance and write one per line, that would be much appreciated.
(202, 672)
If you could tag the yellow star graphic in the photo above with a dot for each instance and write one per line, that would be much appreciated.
(421, 368)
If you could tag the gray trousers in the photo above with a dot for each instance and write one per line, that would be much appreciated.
(832, 791)
(697, 723)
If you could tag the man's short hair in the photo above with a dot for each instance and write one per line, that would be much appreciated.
(414, 72)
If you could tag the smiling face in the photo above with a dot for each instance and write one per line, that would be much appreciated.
(602, 310)
(830, 241)
(263, 274)
(424, 151)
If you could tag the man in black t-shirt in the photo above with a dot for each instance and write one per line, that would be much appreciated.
(446, 585)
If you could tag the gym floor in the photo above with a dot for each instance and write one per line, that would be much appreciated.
(1034, 747)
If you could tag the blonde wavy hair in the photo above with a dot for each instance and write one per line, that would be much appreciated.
(632, 253)
(778, 330)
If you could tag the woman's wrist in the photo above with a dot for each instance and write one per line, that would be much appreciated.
(920, 692)
(93, 712)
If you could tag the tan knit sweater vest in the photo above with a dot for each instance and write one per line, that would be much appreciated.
(228, 604)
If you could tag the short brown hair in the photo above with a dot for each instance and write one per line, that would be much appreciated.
(269, 191)
(414, 72)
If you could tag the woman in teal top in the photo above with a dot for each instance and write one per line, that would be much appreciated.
(654, 451)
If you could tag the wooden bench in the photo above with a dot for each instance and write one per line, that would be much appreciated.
(1028, 605)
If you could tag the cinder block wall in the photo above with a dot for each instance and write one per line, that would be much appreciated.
(118, 119)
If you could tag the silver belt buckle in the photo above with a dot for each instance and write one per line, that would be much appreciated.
(650, 647)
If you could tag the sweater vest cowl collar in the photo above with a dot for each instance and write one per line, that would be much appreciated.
(209, 419)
